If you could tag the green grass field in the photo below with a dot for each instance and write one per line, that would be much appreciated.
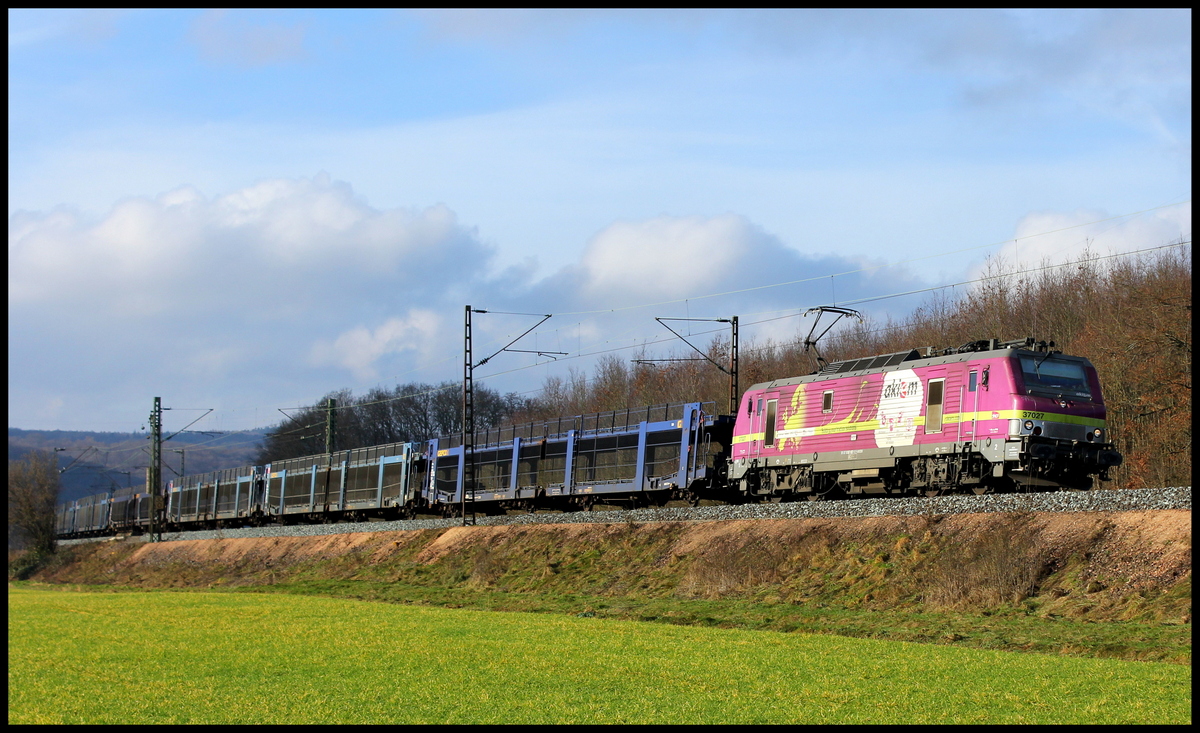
(160, 657)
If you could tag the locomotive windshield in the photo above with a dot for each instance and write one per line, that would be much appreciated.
(1054, 377)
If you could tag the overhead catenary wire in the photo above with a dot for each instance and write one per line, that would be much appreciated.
(785, 314)
(872, 268)
(789, 313)
(204, 445)
(581, 353)
(877, 267)
(794, 312)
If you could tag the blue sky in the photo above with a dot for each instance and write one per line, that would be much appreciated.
(245, 210)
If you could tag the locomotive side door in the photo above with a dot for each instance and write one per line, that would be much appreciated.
(970, 403)
(763, 425)
(942, 398)
(935, 401)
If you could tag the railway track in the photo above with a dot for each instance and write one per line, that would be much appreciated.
(1178, 497)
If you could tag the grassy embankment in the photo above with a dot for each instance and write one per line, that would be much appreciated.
(922, 582)
(221, 658)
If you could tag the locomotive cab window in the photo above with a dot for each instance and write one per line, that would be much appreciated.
(1050, 377)
(933, 406)
(971, 381)
(769, 438)
(827, 401)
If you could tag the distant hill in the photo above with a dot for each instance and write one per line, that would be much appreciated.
(108, 460)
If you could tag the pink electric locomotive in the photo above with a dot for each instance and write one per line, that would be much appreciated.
(986, 416)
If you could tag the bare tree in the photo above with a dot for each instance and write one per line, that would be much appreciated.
(32, 495)
(409, 412)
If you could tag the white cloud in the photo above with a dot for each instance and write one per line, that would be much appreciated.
(281, 291)
(1057, 237)
(693, 267)
(259, 297)
(359, 348)
(665, 256)
(310, 239)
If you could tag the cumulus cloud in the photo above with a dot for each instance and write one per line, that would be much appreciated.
(696, 267)
(279, 292)
(1057, 237)
(360, 348)
(665, 256)
(693, 258)
(303, 241)
(662, 260)
(269, 294)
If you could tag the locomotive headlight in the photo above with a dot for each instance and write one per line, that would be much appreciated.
(1098, 433)
(1029, 424)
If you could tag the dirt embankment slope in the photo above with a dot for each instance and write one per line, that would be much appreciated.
(1098, 566)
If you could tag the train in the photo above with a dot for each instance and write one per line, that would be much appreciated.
(983, 417)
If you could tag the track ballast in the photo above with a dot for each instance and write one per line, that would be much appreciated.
(1178, 497)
